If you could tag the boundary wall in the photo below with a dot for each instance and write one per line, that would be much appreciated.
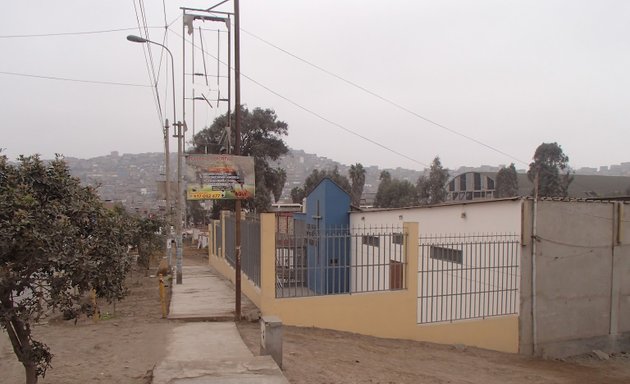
(390, 314)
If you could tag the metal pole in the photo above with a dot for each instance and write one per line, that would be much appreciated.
(167, 185)
(237, 151)
(229, 110)
(168, 167)
(534, 251)
(178, 214)
(193, 83)
(137, 39)
(178, 222)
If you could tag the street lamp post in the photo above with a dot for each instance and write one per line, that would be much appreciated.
(178, 219)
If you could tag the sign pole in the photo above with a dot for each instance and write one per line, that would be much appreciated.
(237, 151)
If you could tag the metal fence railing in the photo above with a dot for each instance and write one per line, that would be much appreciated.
(217, 243)
(250, 246)
(468, 276)
(338, 260)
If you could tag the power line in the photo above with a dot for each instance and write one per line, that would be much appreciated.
(71, 33)
(310, 111)
(382, 98)
(332, 122)
(149, 66)
(75, 80)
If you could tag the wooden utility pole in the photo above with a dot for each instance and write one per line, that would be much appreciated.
(237, 151)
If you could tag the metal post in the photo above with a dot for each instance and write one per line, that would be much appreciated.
(534, 250)
(167, 184)
(178, 226)
(237, 151)
(229, 106)
(178, 214)
(138, 39)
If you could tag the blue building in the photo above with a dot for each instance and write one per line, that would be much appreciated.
(326, 221)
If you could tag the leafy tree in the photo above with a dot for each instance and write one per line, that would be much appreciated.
(195, 212)
(297, 195)
(357, 176)
(261, 138)
(394, 193)
(507, 182)
(57, 242)
(552, 167)
(432, 190)
(146, 238)
(316, 176)
(277, 178)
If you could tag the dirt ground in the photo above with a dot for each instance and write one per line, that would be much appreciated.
(119, 349)
(124, 349)
(316, 356)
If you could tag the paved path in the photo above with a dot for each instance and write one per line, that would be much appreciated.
(210, 349)
(204, 295)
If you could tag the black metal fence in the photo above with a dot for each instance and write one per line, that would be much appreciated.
(468, 276)
(217, 242)
(250, 246)
(338, 260)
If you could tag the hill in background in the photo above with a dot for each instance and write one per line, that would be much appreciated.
(131, 178)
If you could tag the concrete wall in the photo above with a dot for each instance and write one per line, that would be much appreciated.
(582, 288)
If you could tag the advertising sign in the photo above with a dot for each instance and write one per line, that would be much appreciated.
(219, 177)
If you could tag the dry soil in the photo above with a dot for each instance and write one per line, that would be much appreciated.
(126, 346)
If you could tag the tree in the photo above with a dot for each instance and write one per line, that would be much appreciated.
(146, 238)
(297, 195)
(432, 190)
(552, 167)
(507, 182)
(357, 176)
(316, 176)
(261, 138)
(195, 213)
(277, 178)
(394, 193)
(57, 242)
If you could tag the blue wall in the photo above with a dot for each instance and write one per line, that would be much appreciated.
(327, 219)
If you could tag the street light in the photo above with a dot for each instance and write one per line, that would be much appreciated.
(178, 221)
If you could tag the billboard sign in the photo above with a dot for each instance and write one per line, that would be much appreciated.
(219, 177)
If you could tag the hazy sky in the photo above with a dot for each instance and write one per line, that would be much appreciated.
(508, 74)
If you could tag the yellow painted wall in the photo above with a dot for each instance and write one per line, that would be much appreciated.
(383, 314)
(218, 262)
(248, 288)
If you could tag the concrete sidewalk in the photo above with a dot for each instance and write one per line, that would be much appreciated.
(210, 349)
(204, 295)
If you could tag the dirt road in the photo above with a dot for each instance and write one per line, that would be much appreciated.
(316, 356)
(124, 347)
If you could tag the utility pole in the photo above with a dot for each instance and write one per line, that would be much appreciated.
(178, 214)
(237, 151)
(167, 184)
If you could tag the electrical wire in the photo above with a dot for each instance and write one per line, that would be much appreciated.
(75, 80)
(385, 99)
(310, 111)
(71, 33)
(156, 100)
(148, 37)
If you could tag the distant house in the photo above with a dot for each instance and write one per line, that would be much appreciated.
(482, 185)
